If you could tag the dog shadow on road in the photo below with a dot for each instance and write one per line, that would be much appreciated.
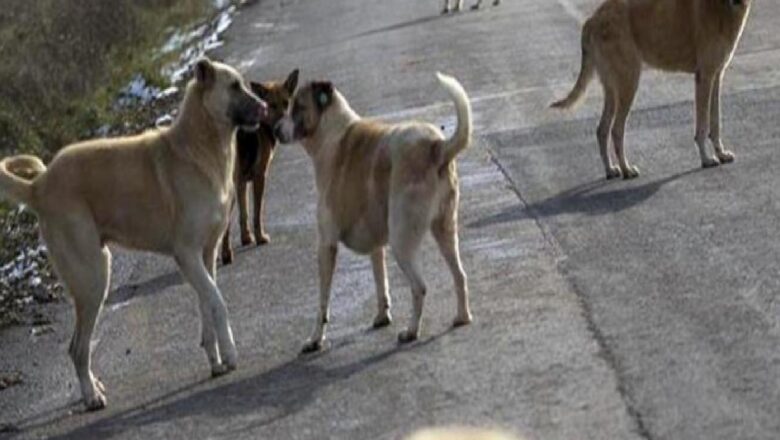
(589, 199)
(264, 398)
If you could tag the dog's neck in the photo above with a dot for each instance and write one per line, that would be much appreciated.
(334, 122)
(206, 143)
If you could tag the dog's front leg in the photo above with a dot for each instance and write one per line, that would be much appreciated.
(704, 84)
(258, 186)
(243, 212)
(724, 155)
(193, 267)
(327, 264)
(383, 317)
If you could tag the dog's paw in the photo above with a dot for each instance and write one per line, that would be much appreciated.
(262, 238)
(631, 172)
(95, 403)
(710, 162)
(407, 336)
(445, 11)
(460, 321)
(613, 173)
(726, 156)
(247, 239)
(382, 319)
(475, 7)
(219, 370)
(312, 346)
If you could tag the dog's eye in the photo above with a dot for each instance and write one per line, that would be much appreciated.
(236, 86)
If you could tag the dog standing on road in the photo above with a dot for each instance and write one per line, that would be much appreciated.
(378, 184)
(166, 191)
(254, 151)
(693, 36)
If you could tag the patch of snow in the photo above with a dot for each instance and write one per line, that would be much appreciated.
(163, 120)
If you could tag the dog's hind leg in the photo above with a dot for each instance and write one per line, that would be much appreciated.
(457, 6)
(603, 131)
(445, 231)
(705, 82)
(625, 99)
(192, 265)
(84, 266)
(407, 227)
(326, 259)
(724, 155)
(383, 317)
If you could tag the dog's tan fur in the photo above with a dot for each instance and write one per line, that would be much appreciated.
(380, 184)
(455, 433)
(694, 36)
(165, 191)
(254, 152)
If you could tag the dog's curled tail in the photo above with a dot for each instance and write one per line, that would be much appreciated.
(462, 137)
(17, 174)
(586, 75)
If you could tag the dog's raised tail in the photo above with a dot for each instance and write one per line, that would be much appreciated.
(17, 174)
(586, 75)
(462, 137)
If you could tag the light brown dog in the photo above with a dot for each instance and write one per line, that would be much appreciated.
(165, 191)
(254, 152)
(694, 36)
(380, 184)
(455, 433)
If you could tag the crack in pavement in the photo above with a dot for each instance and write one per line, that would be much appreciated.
(604, 351)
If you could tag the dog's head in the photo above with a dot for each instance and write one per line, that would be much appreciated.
(309, 105)
(277, 95)
(226, 97)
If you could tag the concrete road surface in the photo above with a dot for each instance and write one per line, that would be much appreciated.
(645, 309)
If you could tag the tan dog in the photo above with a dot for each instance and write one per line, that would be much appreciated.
(694, 36)
(381, 183)
(460, 434)
(165, 191)
(254, 151)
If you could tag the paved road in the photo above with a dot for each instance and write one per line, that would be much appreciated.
(622, 310)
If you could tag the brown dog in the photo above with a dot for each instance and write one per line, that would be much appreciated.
(694, 36)
(380, 184)
(254, 151)
(166, 191)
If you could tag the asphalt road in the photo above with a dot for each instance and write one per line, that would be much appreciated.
(645, 309)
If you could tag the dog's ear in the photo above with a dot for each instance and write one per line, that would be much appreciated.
(259, 89)
(322, 92)
(205, 72)
(291, 83)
